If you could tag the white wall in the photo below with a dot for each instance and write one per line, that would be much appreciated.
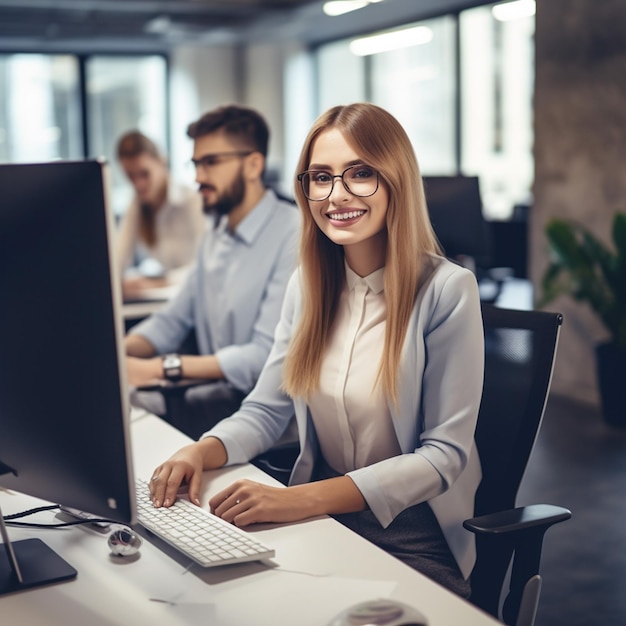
(202, 78)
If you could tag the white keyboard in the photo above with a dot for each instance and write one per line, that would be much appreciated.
(203, 537)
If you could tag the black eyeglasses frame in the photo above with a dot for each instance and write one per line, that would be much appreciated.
(301, 176)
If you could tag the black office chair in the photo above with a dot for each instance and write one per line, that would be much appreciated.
(520, 347)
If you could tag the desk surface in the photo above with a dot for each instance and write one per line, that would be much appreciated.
(140, 309)
(319, 569)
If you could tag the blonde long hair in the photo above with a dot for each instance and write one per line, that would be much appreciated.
(379, 139)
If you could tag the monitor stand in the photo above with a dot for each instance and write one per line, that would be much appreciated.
(29, 563)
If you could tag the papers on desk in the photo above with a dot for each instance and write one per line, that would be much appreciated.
(238, 601)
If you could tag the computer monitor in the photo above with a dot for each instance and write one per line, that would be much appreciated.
(456, 213)
(64, 413)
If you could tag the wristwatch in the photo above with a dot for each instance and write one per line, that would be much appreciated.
(172, 367)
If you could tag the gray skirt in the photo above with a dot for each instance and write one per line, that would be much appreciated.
(414, 537)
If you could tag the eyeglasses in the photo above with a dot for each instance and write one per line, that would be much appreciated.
(359, 180)
(210, 160)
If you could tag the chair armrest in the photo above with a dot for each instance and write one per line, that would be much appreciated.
(518, 520)
(518, 532)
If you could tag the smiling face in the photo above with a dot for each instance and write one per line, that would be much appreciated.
(356, 223)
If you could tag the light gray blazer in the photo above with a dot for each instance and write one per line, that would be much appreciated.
(440, 386)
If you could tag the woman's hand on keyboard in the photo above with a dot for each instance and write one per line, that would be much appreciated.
(247, 502)
(186, 466)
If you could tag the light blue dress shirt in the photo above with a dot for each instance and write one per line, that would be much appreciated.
(233, 295)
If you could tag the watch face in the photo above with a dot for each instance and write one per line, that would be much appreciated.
(171, 361)
(172, 367)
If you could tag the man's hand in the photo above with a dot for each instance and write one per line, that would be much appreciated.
(142, 372)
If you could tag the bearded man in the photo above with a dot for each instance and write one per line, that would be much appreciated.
(231, 299)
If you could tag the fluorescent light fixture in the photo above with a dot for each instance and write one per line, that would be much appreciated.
(508, 11)
(392, 40)
(339, 7)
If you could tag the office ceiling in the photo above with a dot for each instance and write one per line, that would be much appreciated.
(148, 23)
(158, 25)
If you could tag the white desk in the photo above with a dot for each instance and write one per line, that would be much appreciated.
(319, 569)
(151, 300)
(139, 310)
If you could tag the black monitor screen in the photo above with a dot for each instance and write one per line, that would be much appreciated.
(455, 209)
(63, 403)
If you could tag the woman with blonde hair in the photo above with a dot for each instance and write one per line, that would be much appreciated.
(378, 355)
(163, 224)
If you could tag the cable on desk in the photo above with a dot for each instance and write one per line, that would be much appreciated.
(8, 519)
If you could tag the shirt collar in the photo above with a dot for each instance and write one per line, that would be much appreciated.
(252, 224)
(374, 281)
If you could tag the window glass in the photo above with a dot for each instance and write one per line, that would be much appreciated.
(417, 85)
(125, 93)
(40, 108)
(341, 75)
(497, 88)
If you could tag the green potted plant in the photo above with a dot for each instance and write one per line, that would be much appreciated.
(586, 269)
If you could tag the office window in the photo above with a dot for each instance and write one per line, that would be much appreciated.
(496, 114)
(341, 75)
(417, 84)
(124, 93)
(473, 117)
(40, 118)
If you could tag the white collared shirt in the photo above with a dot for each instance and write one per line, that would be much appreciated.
(180, 223)
(350, 411)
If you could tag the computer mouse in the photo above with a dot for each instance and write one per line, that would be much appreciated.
(124, 541)
(383, 612)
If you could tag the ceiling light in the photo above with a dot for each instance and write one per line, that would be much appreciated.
(339, 7)
(513, 10)
(393, 40)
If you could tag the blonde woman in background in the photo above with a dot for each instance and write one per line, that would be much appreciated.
(378, 354)
(163, 223)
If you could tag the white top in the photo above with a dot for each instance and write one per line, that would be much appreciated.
(350, 411)
(180, 223)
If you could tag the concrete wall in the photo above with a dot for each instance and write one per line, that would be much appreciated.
(580, 153)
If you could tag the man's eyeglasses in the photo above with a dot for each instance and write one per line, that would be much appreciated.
(209, 160)
(359, 180)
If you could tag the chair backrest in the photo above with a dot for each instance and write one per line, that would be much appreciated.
(520, 347)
